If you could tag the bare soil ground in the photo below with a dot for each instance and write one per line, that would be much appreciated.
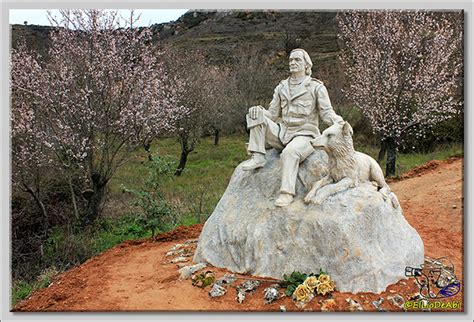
(137, 275)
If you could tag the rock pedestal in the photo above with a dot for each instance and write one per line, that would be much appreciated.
(356, 236)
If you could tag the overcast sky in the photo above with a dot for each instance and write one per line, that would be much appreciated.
(148, 16)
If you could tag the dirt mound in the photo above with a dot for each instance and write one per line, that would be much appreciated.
(141, 275)
(425, 168)
(182, 232)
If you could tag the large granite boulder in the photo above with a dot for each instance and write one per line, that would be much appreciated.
(356, 236)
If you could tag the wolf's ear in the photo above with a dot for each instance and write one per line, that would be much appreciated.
(347, 129)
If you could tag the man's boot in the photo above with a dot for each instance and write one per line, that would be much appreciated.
(257, 161)
(283, 200)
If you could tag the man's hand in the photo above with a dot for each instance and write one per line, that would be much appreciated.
(255, 111)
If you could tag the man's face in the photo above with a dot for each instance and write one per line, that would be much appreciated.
(297, 63)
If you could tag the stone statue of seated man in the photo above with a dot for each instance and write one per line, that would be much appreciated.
(349, 227)
(290, 123)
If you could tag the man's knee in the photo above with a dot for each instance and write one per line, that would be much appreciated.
(290, 152)
(298, 151)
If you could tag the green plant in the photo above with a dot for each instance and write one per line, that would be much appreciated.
(156, 213)
(296, 278)
(46, 276)
(291, 282)
(21, 289)
(68, 246)
(188, 220)
(203, 279)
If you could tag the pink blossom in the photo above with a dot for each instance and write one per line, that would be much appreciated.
(403, 67)
(101, 92)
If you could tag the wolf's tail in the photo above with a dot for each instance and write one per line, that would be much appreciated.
(387, 194)
(394, 199)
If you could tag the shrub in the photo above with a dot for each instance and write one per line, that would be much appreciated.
(31, 227)
(21, 289)
(156, 214)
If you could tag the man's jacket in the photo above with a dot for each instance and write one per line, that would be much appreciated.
(298, 113)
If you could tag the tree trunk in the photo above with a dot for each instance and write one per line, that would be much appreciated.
(182, 162)
(147, 147)
(391, 157)
(185, 150)
(216, 137)
(383, 151)
(39, 203)
(73, 198)
(94, 206)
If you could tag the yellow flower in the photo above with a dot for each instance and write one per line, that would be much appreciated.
(325, 288)
(324, 278)
(311, 282)
(302, 293)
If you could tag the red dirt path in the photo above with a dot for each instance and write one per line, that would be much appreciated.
(137, 276)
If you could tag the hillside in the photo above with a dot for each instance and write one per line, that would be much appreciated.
(34, 36)
(222, 34)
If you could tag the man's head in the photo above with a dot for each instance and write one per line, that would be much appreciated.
(300, 61)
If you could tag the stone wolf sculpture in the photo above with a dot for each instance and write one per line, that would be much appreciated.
(347, 167)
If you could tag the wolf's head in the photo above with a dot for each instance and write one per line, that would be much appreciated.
(337, 137)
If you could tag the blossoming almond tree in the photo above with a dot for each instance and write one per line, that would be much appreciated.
(29, 155)
(403, 69)
(222, 102)
(100, 95)
(205, 92)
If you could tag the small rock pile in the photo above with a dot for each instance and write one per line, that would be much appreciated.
(181, 253)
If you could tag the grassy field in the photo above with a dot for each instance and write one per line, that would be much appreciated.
(196, 192)
(408, 161)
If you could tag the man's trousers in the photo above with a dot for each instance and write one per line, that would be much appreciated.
(266, 135)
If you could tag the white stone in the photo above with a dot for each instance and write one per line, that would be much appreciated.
(174, 252)
(226, 279)
(377, 303)
(271, 294)
(176, 247)
(354, 305)
(179, 259)
(217, 290)
(397, 300)
(356, 235)
(249, 286)
(187, 271)
(241, 295)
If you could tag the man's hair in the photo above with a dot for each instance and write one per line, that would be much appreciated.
(307, 60)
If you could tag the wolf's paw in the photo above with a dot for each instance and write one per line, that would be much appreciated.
(308, 198)
(317, 200)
